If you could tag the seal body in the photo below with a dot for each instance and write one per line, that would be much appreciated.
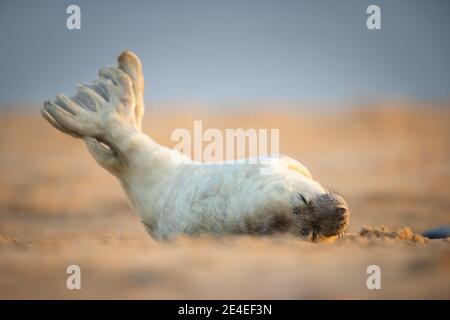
(173, 194)
(220, 198)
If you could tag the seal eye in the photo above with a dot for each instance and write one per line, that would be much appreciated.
(303, 198)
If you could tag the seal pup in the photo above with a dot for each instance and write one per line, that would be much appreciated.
(173, 194)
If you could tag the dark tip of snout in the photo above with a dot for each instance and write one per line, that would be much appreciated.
(331, 213)
(341, 211)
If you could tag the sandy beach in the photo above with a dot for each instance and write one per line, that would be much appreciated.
(58, 208)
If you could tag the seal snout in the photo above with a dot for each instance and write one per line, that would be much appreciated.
(332, 214)
(342, 213)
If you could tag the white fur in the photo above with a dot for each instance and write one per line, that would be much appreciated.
(171, 193)
(175, 195)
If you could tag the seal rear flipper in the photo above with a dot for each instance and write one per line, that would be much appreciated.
(131, 65)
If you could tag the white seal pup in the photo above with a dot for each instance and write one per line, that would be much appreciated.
(173, 194)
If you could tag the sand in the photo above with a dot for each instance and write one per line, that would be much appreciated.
(58, 208)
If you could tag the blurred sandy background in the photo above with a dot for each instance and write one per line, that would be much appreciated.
(392, 163)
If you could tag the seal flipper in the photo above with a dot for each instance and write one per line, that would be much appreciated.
(131, 65)
(103, 111)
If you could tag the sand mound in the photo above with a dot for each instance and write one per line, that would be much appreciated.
(404, 234)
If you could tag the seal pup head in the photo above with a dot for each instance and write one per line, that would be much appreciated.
(320, 216)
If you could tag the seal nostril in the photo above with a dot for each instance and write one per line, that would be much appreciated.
(341, 211)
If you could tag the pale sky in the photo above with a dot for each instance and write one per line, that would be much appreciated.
(231, 51)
